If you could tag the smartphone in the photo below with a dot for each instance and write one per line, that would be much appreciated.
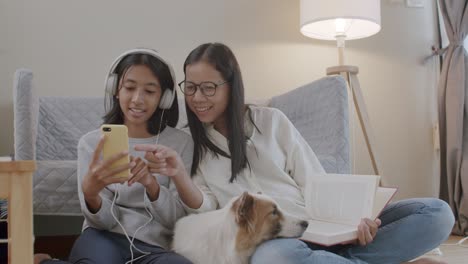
(116, 142)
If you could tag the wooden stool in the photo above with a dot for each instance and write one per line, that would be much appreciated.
(16, 186)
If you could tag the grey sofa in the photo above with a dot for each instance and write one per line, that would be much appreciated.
(47, 129)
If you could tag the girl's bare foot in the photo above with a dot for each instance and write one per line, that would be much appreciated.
(40, 257)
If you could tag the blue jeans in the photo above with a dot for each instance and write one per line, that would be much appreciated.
(409, 229)
(95, 246)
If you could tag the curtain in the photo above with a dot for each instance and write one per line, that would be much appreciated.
(453, 113)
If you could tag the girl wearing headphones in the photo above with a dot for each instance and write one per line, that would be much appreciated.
(128, 219)
(240, 147)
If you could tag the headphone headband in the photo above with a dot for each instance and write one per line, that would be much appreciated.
(151, 52)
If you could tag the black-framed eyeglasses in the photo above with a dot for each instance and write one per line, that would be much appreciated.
(206, 88)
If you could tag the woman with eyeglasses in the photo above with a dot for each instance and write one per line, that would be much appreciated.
(239, 147)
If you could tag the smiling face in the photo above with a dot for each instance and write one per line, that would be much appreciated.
(139, 95)
(208, 109)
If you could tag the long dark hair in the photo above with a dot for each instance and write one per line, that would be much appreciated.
(223, 60)
(160, 69)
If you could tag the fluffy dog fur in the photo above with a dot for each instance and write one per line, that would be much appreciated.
(230, 235)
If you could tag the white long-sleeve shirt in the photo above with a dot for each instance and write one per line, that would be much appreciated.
(130, 204)
(280, 163)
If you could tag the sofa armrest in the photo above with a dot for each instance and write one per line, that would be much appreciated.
(26, 108)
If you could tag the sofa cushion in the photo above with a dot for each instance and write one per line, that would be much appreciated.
(319, 110)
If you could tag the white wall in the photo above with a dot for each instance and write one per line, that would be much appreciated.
(69, 45)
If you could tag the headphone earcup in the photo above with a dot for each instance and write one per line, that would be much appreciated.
(111, 84)
(166, 99)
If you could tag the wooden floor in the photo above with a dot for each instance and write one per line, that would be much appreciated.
(452, 254)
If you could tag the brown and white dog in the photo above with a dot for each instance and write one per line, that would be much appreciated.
(230, 235)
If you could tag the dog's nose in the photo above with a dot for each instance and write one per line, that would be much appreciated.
(304, 224)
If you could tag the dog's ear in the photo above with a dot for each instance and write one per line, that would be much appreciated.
(244, 210)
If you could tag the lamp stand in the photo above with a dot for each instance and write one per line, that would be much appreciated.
(350, 74)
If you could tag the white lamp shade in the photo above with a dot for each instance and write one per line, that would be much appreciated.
(354, 19)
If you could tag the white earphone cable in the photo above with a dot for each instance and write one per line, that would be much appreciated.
(117, 190)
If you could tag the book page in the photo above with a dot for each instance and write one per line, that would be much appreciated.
(341, 198)
(328, 229)
(326, 233)
(383, 195)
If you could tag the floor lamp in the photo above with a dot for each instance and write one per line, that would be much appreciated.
(342, 20)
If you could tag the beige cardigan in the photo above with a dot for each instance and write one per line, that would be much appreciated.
(280, 163)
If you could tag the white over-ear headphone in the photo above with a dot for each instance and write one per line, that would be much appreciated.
(112, 79)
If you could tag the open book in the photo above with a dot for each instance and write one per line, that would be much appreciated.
(336, 203)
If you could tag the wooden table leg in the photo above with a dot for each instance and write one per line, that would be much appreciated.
(16, 186)
(20, 216)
